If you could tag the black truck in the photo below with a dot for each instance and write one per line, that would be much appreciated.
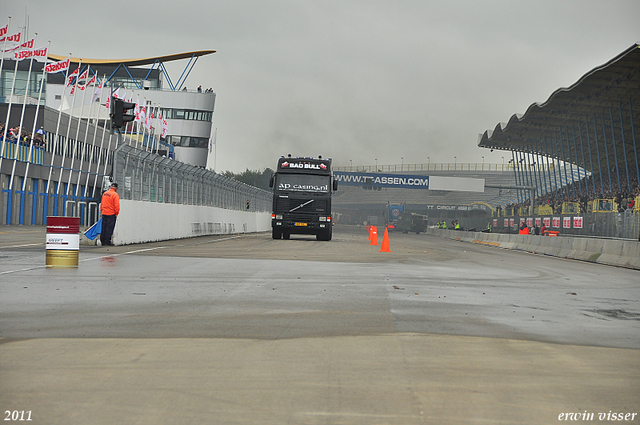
(302, 190)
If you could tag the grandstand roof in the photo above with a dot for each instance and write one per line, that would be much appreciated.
(607, 96)
(136, 62)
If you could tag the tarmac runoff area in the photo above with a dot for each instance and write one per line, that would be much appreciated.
(245, 329)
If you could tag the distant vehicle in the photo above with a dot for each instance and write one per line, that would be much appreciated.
(302, 189)
(411, 222)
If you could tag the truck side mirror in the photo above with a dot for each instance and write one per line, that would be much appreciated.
(335, 185)
(271, 181)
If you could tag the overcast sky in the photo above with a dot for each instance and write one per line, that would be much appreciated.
(356, 80)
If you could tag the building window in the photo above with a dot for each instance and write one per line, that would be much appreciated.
(187, 114)
(189, 142)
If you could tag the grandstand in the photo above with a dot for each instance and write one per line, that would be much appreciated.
(574, 163)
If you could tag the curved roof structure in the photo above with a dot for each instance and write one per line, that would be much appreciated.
(608, 88)
(591, 124)
(136, 62)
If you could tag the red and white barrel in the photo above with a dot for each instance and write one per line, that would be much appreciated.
(63, 241)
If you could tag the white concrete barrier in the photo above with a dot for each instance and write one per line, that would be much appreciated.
(141, 222)
(614, 252)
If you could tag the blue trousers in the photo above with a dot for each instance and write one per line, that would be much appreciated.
(108, 224)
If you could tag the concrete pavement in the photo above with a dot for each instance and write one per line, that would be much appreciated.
(233, 330)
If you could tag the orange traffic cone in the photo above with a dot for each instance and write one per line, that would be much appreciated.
(385, 241)
(370, 230)
(374, 235)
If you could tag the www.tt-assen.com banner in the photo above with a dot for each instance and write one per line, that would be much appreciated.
(405, 181)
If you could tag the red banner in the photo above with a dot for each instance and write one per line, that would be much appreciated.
(63, 225)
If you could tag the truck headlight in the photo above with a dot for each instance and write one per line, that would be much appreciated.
(278, 216)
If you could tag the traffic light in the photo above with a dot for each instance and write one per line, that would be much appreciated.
(121, 113)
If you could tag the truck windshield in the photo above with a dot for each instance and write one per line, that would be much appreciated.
(303, 183)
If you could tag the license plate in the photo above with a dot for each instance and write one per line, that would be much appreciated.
(301, 224)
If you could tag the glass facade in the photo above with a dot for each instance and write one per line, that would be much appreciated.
(187, 114)
(187, 141)
(21, 88)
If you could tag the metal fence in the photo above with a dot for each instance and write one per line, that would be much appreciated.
(146, 176)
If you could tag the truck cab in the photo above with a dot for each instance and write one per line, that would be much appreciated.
(302, 189)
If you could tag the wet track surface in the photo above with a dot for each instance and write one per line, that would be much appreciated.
(247, 329)
(250, 286)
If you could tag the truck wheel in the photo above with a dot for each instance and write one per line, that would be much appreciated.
(324, 236)
(286, 235)
(276, 234)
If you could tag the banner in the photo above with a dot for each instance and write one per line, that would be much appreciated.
(577, 222)
(15, 38)
(3, 31)
(38, 54)
(566, 222)
(406, 181)
(403, 181)
(556, 222)
(54, 67)
(26, 45)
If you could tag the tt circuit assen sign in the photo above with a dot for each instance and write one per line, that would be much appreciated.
(405, 181)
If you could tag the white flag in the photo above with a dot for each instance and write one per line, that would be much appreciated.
(115, 94)
(54, 67)
(72, 76)
(165, 126)
(38, 54)
(26, 45)
(15, 38)
(98, 91)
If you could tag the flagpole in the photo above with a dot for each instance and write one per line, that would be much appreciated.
(154, 129)
(75, 147)
(136, 111)
(106, 162)
(66, 140)
(95, 181)
(131, 124)
(144, 125)
(6, 127)
(4, 47)
(93, 144)
(35, 122)
(24, 107)
(86, 137)
(57, 134)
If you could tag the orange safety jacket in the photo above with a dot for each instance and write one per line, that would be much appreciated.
(110, 203)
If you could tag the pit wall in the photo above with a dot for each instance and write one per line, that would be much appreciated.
(612, 252)
(140, 222)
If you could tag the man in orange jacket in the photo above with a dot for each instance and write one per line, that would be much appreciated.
(110, 208)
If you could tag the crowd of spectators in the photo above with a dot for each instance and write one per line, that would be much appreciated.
(583, 194)
(22, 136)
